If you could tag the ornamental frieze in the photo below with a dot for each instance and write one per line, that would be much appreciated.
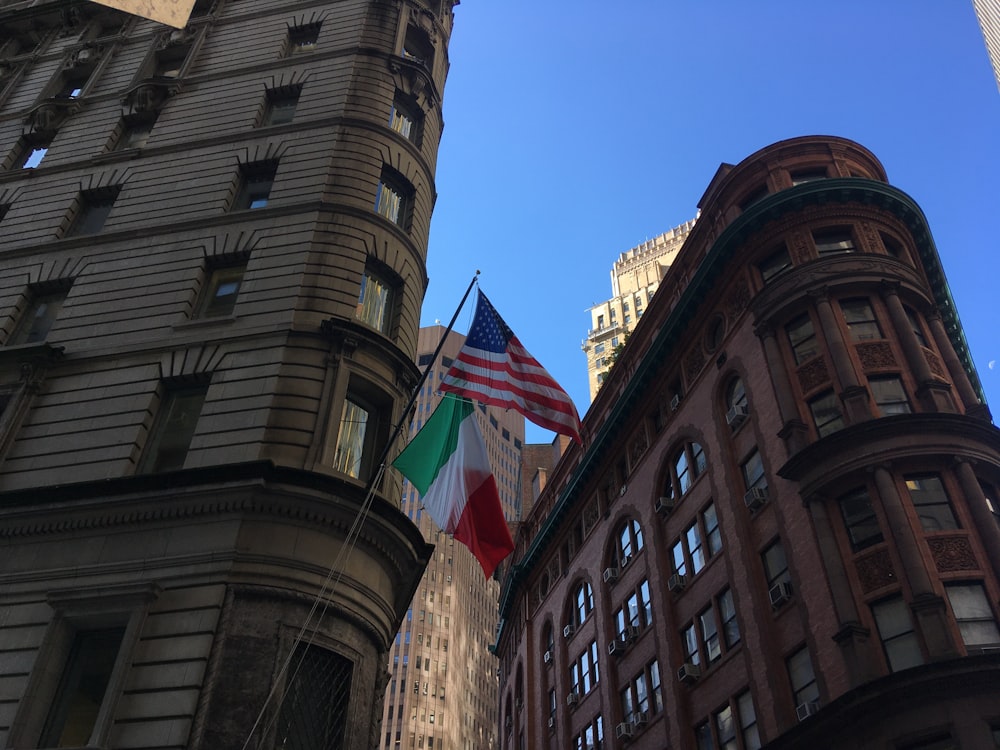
(876, 355)
(875, 570)
(813, 374)
(952, 553)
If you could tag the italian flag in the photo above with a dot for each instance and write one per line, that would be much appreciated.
(447, 462)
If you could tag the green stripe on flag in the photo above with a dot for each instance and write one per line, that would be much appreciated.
(430, 449)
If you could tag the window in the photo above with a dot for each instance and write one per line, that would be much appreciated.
(406, 118)
(860, 319)
(583, 673)
(753, 472)
(256, 181)
(688, 464)
(692, 540)
(775, 564)
(170, 61)
(362, 427)
(895, 629)
(689, 641)
(583, 603)
(31, 152)
(392, 198)
(629, 541)
(802, 176)
(72, 83)
(727, 617)
(678, 558)
(736, 395)
(893, 247)
(889, 395)
(859, 517)
(591, 737)
(774, 264)
(280, 106)
(44, 305)
(703, 737)
(802, 337)
(375, 301)
(642, 694)
(833, 241)
(82, 687)
(92, 210)
(316, 700)
(802, 678)
(709, 631)
(826, 413)
(134, 131)
(973, 613)
(168, 444)
(725, 729)
(302, 39)
(713, 535)
(417, 46)
(931, 502)
(220, 291)
(914, 322)
(748, 721)
(635, 612)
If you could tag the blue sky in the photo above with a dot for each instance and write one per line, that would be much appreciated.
(575, 131)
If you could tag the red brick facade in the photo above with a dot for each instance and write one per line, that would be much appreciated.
(782, 517)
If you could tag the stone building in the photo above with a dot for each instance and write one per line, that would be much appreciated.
(783, 530)
(442, 690)
(988, 13)
(213, 262)
(635, 276)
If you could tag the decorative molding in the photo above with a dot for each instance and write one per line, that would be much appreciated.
(875, 570)
(876, 355)
(813, 374)
(952, 553)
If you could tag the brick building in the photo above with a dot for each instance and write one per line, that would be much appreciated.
(783, 528)
(214, 245)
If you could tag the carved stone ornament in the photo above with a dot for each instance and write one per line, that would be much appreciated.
(47, 117)
(146, 98)
(693, 363)
(85, 57)
(738, 300)
(176, 37)
(876, 355)
(813, 374)
(952, 553)
(875, 570)
(934, 363)
(801, 248)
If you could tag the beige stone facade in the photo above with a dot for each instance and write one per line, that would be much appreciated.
(635, 276)
(442, 692)
(988, 12)
(212, 269)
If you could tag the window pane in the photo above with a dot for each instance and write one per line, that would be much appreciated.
(974, 615)
(859, 518)
(895, 628)
(351, 439)
(775, 565)
(314, 708)
(802, 337)
(169, 444)
(931, 501)
(38, 318)
(860, 319)
(222, 290)
(693, 537)
(712, 531)
(775, 264)
(889, 395)
(375, 302)
(826, 413)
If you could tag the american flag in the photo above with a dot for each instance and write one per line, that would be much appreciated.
(494, 368)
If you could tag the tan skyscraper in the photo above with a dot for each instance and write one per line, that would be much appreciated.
(988, 12)
(442, 693)
(635, 276)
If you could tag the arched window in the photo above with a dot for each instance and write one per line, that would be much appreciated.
(583, 603)
(548, 637)
(629, 541)
(688, 464)
(736, 394)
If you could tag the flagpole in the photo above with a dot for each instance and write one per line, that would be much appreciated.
(398, 428)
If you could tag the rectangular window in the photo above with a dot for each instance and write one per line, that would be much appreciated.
(889, 395)
(360, 430)
(375, 302)
(280, 106)
(256, 181)
(748, 721)
(859, 517)
(826, 415)
(727, 615)
(692, 536)
(168, 444)
(775, 564)
(803, 176)
(775, 264)
(914, 322)
(713, 535)
(302, 39)
(895, 629)
(860, 318)
(802, 337)
(753, 472)
(709, 635)
(220, 292)
(931, 502)
(316, 699)
(31, 151)
(44, 305)
(802, 678)
(689, 639)
(77, 703)
(703, 737)
(405, 118)
(973, 613)
(677, 555)
(92, 210)
(725, 729)
(833, 241)
(134, 132)
(392, 197)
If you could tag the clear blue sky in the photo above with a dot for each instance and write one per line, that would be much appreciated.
(576, 130)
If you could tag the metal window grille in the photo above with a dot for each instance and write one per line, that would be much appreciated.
(313, 713)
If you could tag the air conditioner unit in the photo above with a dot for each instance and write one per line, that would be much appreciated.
(675, 402)
(547, 657)
(573, 698)
(688, 673)
(568, 631)
(623, 731)
(616, 647)
(736, 416)
(755, 498)
(610, 575)
(807, 709)
(780, 593)
(664, 506)
(641, 719)
(631, 633)
(552, 722)
(676, 583)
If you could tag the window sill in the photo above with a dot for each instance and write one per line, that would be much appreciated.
(39, 350)
(204, 322)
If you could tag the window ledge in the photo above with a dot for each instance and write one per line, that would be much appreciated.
(41, 350)
(203, 322)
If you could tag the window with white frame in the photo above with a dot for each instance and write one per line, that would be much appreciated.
(636, 611)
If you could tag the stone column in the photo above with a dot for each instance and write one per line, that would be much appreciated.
(970, 399)
(851, 636)
(928, 607)
(986, 522)
(855, 395)
(793, 431)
